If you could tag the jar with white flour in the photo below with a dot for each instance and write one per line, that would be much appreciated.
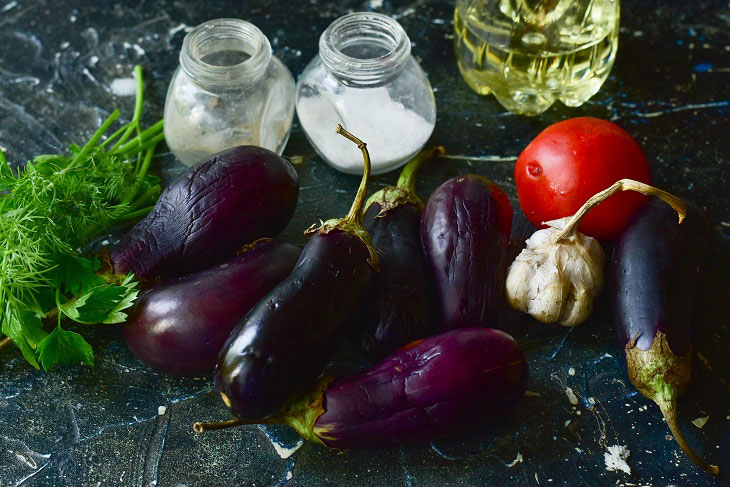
(365, 79)
(229, 90)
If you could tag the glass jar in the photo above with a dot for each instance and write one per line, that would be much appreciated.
(229, 90)
(529, 53)
(366, 79)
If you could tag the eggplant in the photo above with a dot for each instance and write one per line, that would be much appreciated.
(465, 233)
(179, 327)
(656, 269)
(234, 197)
(397, 307)
(283, 344)
(434, 387)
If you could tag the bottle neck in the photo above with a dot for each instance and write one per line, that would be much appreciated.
(225, 54)
(364, 48)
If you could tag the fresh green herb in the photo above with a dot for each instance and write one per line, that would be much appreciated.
(49, 212)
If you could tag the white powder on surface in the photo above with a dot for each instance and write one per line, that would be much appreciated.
(615, 459)
(392, 132)
(124, 86)
(571, 396)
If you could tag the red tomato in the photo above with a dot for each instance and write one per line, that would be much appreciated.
(572, 160)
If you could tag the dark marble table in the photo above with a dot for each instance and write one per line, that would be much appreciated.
(121, 423)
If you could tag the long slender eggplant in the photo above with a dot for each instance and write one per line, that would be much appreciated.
(396, 309)
(465, 233)
(180, 326)
(283, 344)
(434, 387)
(656, 272)
(231, 199)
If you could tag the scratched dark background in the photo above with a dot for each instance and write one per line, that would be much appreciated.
(121, 423)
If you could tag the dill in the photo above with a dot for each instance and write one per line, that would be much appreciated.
(50, 210)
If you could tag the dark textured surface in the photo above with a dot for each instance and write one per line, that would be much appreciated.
(670, 88)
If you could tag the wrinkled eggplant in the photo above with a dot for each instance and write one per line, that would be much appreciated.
(434, 387)
(656, 268)
(283, 344)
(397, 307)
(233, 198)
(465, 233)
(180, 326)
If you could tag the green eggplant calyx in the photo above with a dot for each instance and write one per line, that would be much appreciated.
(660, 375)
(301, 412)
(405, 191)
(391, 197)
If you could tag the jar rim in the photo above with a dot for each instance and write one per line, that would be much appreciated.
(365, 28)
(227, 34)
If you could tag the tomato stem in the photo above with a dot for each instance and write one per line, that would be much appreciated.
(620, 185)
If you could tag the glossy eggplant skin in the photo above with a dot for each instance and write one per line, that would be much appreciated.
(284, 343)
(179, 327)
(656, 268)
(231, 199)
(438, 386)
(465, 233)
(396, 309)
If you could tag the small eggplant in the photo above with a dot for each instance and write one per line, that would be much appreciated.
(180, 326)
(656, 271)
(233, 198)
(465, 233)
(396, 309)
(282, 345)
(431, 388)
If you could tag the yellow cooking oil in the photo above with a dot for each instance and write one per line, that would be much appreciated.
(529, 53)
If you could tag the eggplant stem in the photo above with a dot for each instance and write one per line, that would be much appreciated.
(202, 427)
(620, 185)
(669, 410)
(407, 178)
(355, 214)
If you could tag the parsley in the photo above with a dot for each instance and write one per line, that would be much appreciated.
(49, 211)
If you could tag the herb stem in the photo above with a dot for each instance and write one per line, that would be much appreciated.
(92, 141)
(135, 214)
(134, 123)
(153, 191)
(4, 342)
(136, 146)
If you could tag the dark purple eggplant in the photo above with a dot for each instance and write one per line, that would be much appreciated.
(231, 199)
(180, 326)
(465, 233)
(396, 309)
(656, 268)
(283, 344)
(442, 385)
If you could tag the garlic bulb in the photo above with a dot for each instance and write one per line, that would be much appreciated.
(560, 272)
(556, 281)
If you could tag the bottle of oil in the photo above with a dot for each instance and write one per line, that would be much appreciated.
(529, 53)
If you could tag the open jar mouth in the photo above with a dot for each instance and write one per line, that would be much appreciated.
(364, 48)
(225, 53)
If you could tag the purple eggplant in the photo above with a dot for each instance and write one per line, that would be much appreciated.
(656, 268)
(442, 385)
(283, 344)
(180, 326)
(231, 199)
(396, 309)
(465, 233)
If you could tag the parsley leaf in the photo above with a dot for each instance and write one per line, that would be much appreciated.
(102, 304)
(64, 347)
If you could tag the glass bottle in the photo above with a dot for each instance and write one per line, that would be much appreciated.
(365, 78)
(529, 53)
(229, 90)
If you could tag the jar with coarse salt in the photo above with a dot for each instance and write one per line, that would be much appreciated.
(366, 79)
